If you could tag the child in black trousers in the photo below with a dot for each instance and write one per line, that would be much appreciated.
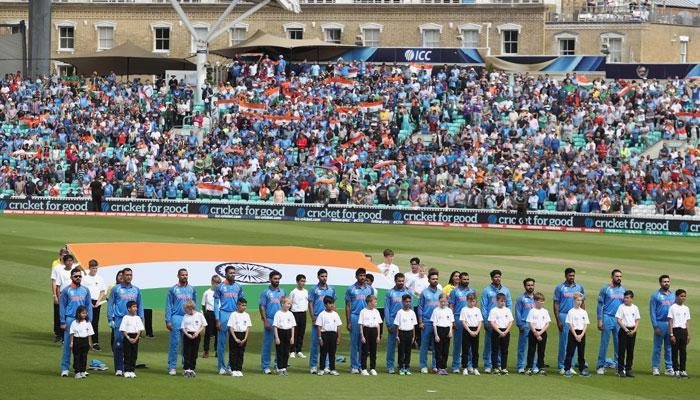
(81, 332)
(328, 324)
(239, 324)
(501, 320)
(193, 324)
(131, 328)
(678, 316)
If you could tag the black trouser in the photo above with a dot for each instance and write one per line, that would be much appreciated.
(678, 350)
(381, 324)
(190, 347)
(236, 351)
(95, 323)
(369, 347)
(148, 321)
(470, 344)
(96, 203)
(534, 345)
(442, 348)
(625, 347)
(210, 330)
(330, 339)
(57, 321)
(299, 331)
(572, 346)
(81, 346)
(282, 349)
(404, 349)
(499, 345)
(131, 353)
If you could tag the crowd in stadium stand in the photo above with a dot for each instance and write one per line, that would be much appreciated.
(417, 135)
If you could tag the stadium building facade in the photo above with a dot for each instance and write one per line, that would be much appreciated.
(665, 32)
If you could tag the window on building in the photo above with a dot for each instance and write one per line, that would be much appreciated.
(66, 38)
(332, 35)
(162, 39)
(14, 29)
(105, 37)
(370, 37)
(431, 38)
(510, 41)
(684, 50)
(470, 38)
(202, 32)
(295, 33)
(63, 69)
(614, 49)
(567, 47)
(237, 36)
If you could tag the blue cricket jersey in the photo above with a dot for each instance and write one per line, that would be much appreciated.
(458, 299)
(356, 296)
(393, 302)
(177, 297)
(609, 299)
(488, 299)
(316, 296)
(226, 297)
(429, 300)
(658, 307)
(119, 296)
(564, 295)
(523, 305)
(270, 300)
(71, 298)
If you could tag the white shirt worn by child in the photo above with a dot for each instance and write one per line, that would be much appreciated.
(193, 323)
(329, 321)
(501, 316)
(539, 317)
(442, 317)
(300, 300)
(284, 320)
(406, 320)
(472, 316)
(578, 318)
(81, 329)
(131, 324)
(628, 314)
(370, 318)
(680, 315)
(388, 270)
(239, 321)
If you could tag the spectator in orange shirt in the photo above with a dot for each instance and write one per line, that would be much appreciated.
(689, 203)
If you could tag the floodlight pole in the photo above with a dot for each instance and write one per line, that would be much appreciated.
(202, 43)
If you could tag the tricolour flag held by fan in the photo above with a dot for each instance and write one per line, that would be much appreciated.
(347, 110)
(210, 189)
(417, 68)
(583, 82)
(352, 72)
(252, 107)
(371, 106)
(341, 82)
(627, 91)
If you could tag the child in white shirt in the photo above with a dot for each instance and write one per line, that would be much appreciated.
(193, 324)
(405, 322)
(471, 319)
(283, 324)
(679, 329)
(300, 305)
(239, 324)
(131, 328)
(81, 332)
(328, 324)
(501, 320)
(577, 319)
(538, 320)
(627, 316)
(369, 321)
(442, 319)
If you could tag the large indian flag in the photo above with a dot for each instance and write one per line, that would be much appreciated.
(155, 266)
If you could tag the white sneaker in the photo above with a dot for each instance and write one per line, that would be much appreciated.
(373, 372)
(65, 373)
(600, 371)
(334, 373)
(471, 370)
(240, 373)
(669, 372)
(222, 371)
(655, 372)
(465, 372)
(521, 370)
(475, 372)
(172, 372)
(364, 373)
(562, 371)
(133, 374)
(327, 371)
(292, 355)
(267, 371)
(487, 370)
(320, 373)
(456, 371)
(301, 355)
(354, 371)
(313, 371)
(119, 373)
(79, 376)
(424, 370)
(683, 374)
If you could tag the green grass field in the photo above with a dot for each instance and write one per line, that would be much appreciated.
(30, 360)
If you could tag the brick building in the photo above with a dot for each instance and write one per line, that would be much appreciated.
(515, 27)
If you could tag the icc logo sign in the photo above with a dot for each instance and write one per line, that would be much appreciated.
(418, 55)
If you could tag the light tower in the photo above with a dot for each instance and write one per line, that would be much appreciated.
(219, 28)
